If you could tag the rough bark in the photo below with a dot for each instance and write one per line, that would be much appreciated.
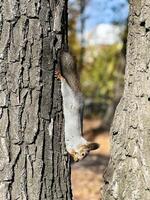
(33, 159)
(128, 173)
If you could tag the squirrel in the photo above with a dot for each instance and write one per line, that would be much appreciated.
(73, 105)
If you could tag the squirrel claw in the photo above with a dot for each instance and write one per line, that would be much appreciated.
(58, 75)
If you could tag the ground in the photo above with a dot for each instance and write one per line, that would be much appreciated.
(87, 175)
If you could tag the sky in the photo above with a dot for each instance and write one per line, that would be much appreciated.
(105, 11)
(104, 34)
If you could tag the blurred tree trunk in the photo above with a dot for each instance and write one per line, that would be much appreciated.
(33, 159)
(82, 5)
(118, 90)
(128, 173)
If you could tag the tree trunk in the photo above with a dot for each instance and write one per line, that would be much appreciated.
(128, 173)
(33, 159)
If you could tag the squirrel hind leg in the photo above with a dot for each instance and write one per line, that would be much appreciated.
(58, 75)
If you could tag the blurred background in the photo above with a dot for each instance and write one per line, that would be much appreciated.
(97, 37)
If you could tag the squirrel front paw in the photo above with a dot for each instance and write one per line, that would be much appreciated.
(83, 151)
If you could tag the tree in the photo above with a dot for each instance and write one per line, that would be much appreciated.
(33, 160)
(128, 172)
(83, 17)
(73, 40)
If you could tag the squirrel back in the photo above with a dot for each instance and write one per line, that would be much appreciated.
(69, 70)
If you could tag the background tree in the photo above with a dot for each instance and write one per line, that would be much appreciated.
(33, 160)
(77, 19)
(103, 91)
(73, 40)
(128, 172)
(83, 17)
(118, 83)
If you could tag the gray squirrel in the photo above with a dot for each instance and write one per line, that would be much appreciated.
(73, 105)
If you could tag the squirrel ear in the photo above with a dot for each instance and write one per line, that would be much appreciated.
(92, 146)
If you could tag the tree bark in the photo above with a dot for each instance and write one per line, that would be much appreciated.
(128, 173)
(33, 160)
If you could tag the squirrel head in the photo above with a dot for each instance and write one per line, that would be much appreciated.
(83, 151)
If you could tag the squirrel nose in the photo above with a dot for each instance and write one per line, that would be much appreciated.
(76, 159)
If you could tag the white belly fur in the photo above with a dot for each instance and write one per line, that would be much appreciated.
(73, 108)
